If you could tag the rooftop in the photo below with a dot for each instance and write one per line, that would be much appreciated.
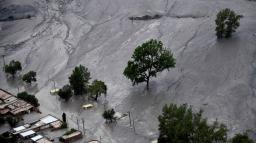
(20, 128)
(27, 133)
(48, 119)
(35, 138)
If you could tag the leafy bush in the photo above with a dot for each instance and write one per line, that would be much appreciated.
(108, 115)
(29, 77)
(227, 22)
(13, 67)
(12, 121)
(65, 92)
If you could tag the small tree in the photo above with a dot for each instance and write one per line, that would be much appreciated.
(241, 138)
(65, 92)
(108, 115)
(13, 67)
(79, 80)
(12, 121)
(29, 77)
(29, 98)
(181, 125)
(64, 119)
(227, 22)
(97, 88)
(147, 60)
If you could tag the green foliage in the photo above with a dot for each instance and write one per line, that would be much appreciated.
(79, 80)
(64, 125)
(108, 115)
(64, 119)
(241, 138)
(29, 77)
(65, 92)
(227, 22)
(181, 125)
(147, 60)
(12, 121)
(70, 131)
(97, 88)
(13, 67)
(29, 98)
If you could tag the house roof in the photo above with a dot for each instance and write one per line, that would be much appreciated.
(27, 133)
(48, 119)
(35, 138)
(19, 128)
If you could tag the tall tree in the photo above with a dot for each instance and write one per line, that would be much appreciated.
(97, 88)
(79, 80)
(13, 67)
(147, 60)
(178, 124)
(227, 22)
(29, 77)
(65, 92)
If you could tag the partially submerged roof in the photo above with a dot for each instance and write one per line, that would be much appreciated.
(27, 133)
(43, 140)
(48, 119)
(20, 128)
(35, 138)
(4, 95)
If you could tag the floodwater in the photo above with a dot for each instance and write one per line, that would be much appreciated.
(217, 76)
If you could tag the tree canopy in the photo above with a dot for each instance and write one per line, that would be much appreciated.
(227, 22)
(109, 115)
(79, 80)
(178, 124)
(29, 77)
(13, 67)
(65, 92)
(241, 138)
(97, 88)
(147, 60)
(29, 98)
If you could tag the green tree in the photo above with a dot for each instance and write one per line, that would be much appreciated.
(12, 121)
(13, 67)
(181, 125)
(79, 80)
(108, 115)
(227, 22)
(147, 60)
(65, 92)
(97, 88)
(29, 98)
(29, 77)
(241, 138)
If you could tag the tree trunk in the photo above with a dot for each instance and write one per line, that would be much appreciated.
(147, 83)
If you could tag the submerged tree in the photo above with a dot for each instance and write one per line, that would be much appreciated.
(181, 125)
(29, 77)
(109, 115)
(227, 22)
(65, 92)
(97, 88)
(241, 138)
(29, 98)
(13, 67)
(147, 60)
(79, 80)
